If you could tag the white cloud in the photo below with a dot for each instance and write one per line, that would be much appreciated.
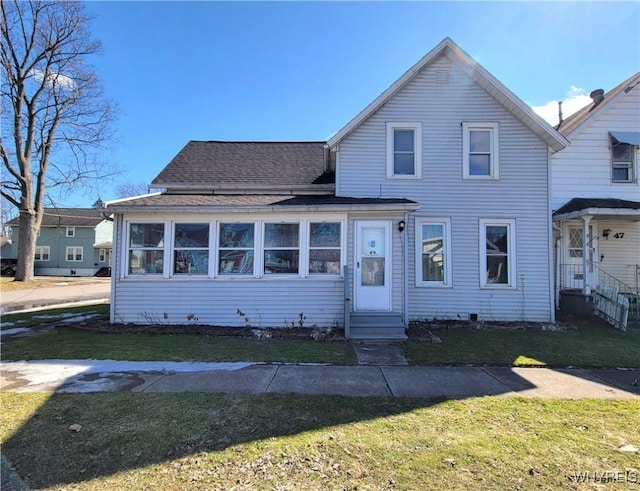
(55, 79)
(575, 99)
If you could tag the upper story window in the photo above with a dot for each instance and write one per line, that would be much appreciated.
(71, 232)
(404, 148)
(480, 150)
(622, 161)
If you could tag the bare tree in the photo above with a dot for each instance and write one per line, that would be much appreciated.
(57, 114)
(129, 189)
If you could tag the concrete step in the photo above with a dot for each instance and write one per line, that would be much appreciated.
(377, 319)
(379, 333)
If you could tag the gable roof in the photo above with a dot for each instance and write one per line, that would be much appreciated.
(245, 165)
(572, 122)
(483, 78)
(68, 217)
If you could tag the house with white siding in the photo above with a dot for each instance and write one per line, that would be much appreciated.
(432, 203)
(596, 197)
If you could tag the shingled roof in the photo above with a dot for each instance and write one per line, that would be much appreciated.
(576, 119)
(580, 204)
(226, 202)
(68, 217)
(219, 164)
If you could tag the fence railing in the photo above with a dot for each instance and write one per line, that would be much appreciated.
(572, 277)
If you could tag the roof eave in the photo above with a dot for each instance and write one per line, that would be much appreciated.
(253, 188)
(594, 211)
(400, 207)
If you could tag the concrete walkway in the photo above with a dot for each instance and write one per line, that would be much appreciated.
(259, 378)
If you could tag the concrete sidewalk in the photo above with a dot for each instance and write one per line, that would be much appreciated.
(259, 378)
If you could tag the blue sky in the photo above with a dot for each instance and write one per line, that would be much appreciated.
(183, 71)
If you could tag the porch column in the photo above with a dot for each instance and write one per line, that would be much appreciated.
(586, 254)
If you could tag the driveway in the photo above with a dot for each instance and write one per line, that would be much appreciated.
(65, 291)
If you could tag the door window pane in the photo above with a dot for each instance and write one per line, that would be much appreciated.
(373, 271)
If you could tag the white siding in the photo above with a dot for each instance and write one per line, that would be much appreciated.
(521, 193)
(265, 302)
(583, 169)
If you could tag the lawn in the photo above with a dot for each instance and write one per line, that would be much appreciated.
(70, 343)
(207, 441)
(35, 318)
(590, 345)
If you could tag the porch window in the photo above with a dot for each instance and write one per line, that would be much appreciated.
(236, 248)
(480, 150)
(622, 158)
(497, 253)
(146, 248)
(281, 248)
(404, 142)
(102, 255)
(191, 248)
(42, 253)
(433, 252)
(74, 254)
(324, 248)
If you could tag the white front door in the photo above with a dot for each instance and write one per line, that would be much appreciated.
(373, 266)
(574, 264)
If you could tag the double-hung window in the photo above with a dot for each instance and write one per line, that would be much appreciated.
(42, 253)
(480, 150)
(281, 248)
(497, 253)
(622, 161)
(146, 248)
(74, 254)
(324, 247)
(404, 149)
(433, 252)
(236, 248)
(191, 248)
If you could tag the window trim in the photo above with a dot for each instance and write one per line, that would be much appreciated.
(416, 126)
(42, 249)
(301, 223)
(74, 260)
(445, 222)
(510, 223)
(175, 248)
(308, 248)
(632, 165)
(494, 160)
(70, 232)
(166, 261)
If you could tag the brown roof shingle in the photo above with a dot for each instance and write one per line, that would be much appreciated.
(208, 164)
(68, 217)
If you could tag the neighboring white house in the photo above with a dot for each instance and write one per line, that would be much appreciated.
(596, 194)
(433, 202)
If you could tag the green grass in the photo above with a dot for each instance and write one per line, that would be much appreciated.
(207, 441)
(30, 319)
(69, 343)
(588, 346)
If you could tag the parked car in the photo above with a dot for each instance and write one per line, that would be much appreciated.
(8, 267)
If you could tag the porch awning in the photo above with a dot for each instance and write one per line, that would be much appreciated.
(630, 137)
(598, 208)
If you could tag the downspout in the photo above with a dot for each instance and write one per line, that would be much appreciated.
(115, 268)
(558, 240)
(554, 299)
(405, 239)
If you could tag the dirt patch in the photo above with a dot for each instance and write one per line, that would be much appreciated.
(102, 324)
